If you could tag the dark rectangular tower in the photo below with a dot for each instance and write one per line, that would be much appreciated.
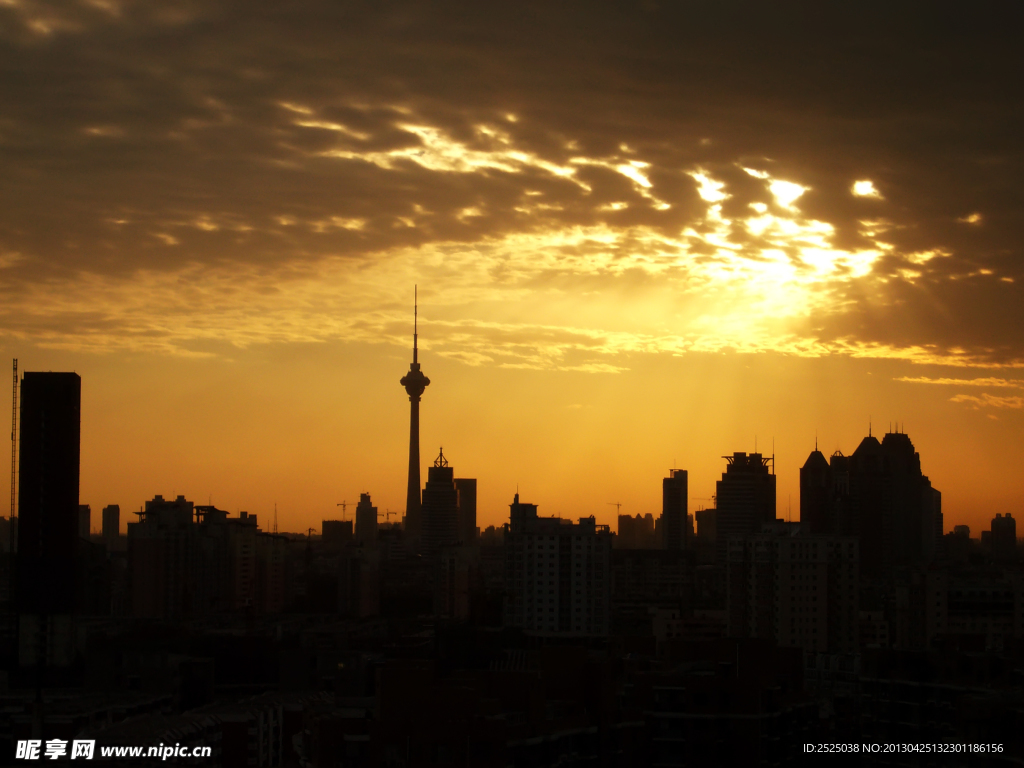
(111, 522)
(366, 521)
(674, 509)
(466, 487)
(49, 454)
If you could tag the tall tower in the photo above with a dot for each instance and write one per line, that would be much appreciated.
(674, 510)
(48, 492)
(746, 498)
(414, 382)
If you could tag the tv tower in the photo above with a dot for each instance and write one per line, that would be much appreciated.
(414, 382)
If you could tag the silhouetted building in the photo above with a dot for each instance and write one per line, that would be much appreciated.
(745, 497)
(440, 508)
(48, 492)
(979, 610)
(415, 383)
(163, 560)
(1003, 538)
(645, 578)
(818, 494)
(707, 534)
(366, 521)
(187, 561)
(111, 523)
(466, 486)
(557, 573)
(359, 583)
(636, 533)
(335, 534)
(84, 521)
(799, 590)
(878, 495)
(674, 509)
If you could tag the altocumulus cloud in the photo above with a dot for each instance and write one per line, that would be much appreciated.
(248, 173)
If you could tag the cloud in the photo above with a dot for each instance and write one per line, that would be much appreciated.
(984, 382)
(989, 401)
(189, 172)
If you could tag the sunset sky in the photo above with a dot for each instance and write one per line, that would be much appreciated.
(645, 235)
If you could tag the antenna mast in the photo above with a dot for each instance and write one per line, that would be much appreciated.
(415, 322)
(14, 450)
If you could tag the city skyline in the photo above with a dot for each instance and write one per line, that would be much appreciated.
(644, 238)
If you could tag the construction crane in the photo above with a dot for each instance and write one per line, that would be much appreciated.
(387, 514)
(14, 450)
(344, 506)
(617, 505)
(13, 459)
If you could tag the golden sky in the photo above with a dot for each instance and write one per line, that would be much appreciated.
(644, 237)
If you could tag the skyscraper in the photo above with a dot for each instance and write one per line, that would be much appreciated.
(48, 492)
(879, 495)
(414, 382)
(466, 486)
(674, 509)
(746, 498)
(366, 521)
(440, 507)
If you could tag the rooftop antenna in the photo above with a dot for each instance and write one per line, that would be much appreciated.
(869, 426)
(275, 518)
(441, 461)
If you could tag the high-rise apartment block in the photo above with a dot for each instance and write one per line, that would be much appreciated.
(1003, 537)
(557, 574)
(674, 510)
(745, 498)
(466, 487)
(111, 523)
(799, 590)
(194, 561)
(48, 522)
(637, 533)
(366, 521)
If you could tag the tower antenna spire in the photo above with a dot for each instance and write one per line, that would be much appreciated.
(415, 323)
